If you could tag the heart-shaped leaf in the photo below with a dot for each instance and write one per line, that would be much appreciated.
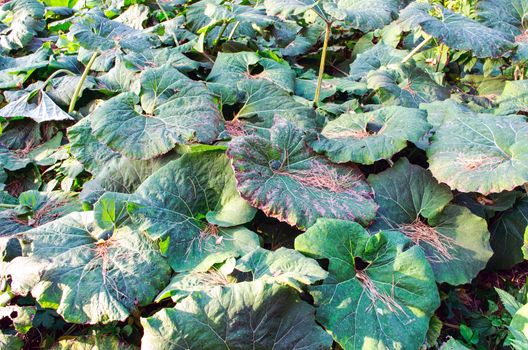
(285, 179)
(380, 292)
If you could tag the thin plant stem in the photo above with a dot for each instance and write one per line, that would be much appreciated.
(328, 29)
(47, 81)
(5, 205)
(222, 31)
(233, 31)
(162, 11)
(417, 48)
(81, 82)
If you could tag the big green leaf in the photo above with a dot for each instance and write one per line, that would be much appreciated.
(91, 277)
(507, 235)
(405, 86)
(171, 203)
(43, 154)
(96, 340)
(455, 30)
(374, 58)
(365, 15)
(286, 180)
(231, 68)
(44, 111)
(283, 266)
(262, 101)
(480, 152)
(380, 292)
(368, 137)
(508, 16)
(95, 32)
(174, 110)
(34, 209)
(514, 98)
(15, 70)
(20, 21)
(244, 316)
(454, 241)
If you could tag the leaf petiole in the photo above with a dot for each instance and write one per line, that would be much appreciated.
(81, 82)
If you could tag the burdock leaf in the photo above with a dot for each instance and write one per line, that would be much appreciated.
(514, 98)
(175, 110)
(171, 203)
(454, 241)
(374, 58)
(285, 179)
(380, 292)
(283, 265)
(368, 137)
(93, 278)
(507, 235)
(455, 30)
(405, 86)
(243, 316)
(480, 153)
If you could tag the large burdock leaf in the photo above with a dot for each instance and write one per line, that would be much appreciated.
(368, 137)
(15, 70)
(174, 110)
(43, 154)
(34, 209)
(20, 20)
(261, 103)
(286, 266)
(514, 98)
(231, 68)
(248, 315)
(455, 30)
(480, 152)
(380, 292)
(365, 15)
(508, 16)
(507, 235)
(454, 241)
(374, 58)
(285, 179)
(405, 86)
(283, 266)
(97, 340)
(44, 110)
(90, 277)
(95, 32)
(171, 203)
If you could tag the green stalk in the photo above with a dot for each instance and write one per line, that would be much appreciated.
(417, 48)
(8, 206)
(222, 31)
(81, 82)
(47, 81)
(162, 11)
(233, 31)
(328, 30)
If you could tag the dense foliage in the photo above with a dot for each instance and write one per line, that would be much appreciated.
(277, 174)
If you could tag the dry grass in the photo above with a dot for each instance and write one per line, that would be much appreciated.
(235, 128)
(522, 38)
(23, 152)
(323, 177)
(475, 162)
(376, 296)
(419, 232)
(356, 134)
